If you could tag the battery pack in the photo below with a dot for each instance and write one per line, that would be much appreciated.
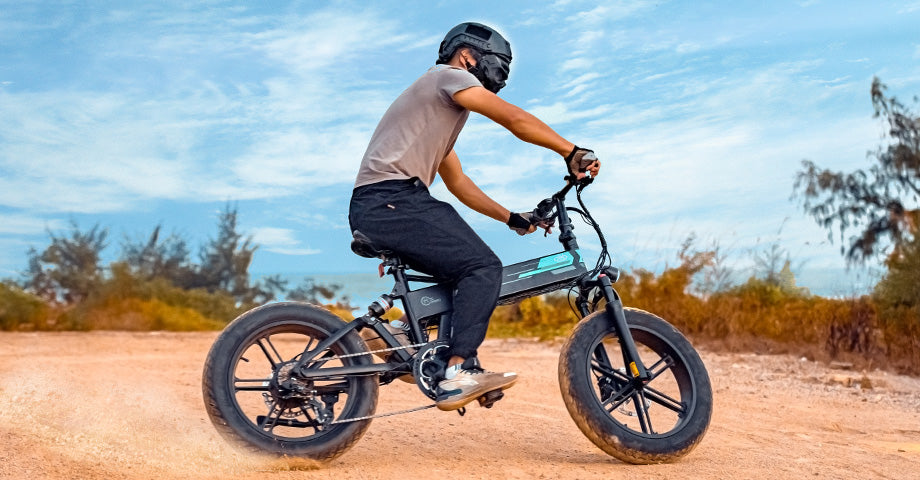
(540, 275)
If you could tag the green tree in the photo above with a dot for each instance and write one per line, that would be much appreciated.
(68, 270)
(166, 258)
(225, 264)
(880, 202)
(310, 291)
(900, 287)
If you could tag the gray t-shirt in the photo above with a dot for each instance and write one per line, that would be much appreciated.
(419, 129)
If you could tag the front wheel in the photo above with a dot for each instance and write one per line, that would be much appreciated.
(256, 400)
(655, 422)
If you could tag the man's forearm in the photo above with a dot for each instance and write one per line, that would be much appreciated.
(472, 196)
(531, 129)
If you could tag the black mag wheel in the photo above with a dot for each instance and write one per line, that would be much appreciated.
(256, 403)
(657, 422)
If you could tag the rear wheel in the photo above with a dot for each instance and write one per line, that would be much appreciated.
(655, 422)
(255, 401)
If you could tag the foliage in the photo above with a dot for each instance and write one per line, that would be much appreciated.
(225, 260)
(68, 270)
(881, 202)
(160, 258)
(766, 313)
(18, 307)
(900, 287)
(312, 292)
(224, 265)
(153, 286)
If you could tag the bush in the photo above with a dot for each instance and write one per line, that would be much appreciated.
(20, 310)
(126, 302)
(759, 315)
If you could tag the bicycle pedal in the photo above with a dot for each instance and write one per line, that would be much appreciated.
(490, 398)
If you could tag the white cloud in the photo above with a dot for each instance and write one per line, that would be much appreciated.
(909, 8)
(560, 113)
(19, 224)
(280, 240)
(578, 63)
(86, 151)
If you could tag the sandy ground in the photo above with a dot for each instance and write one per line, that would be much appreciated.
(115, 405)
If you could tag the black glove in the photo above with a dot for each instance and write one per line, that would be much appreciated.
(579, 160)
(543, 216)
(520, 223)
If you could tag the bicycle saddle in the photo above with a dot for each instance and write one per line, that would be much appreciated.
(364, 247)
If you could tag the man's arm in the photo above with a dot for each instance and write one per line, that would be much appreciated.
(522, 124)
(462, 187)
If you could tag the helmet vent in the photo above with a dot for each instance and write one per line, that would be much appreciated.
(478, 31)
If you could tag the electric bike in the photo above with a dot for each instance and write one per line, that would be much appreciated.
(293, 379)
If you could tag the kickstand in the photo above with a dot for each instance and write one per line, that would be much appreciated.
(461, 411)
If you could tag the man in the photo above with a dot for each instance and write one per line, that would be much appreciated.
(391, 204)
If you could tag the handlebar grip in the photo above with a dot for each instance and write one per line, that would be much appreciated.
(543, 211)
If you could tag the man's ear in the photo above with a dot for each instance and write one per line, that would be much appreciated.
(462, 52)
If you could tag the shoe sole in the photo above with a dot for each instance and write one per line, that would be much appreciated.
(448, 406)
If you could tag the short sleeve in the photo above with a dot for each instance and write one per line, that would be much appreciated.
(453, 80)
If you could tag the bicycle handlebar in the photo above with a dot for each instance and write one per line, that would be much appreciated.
(543, 213)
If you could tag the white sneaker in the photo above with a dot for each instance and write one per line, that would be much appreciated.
(470, 384)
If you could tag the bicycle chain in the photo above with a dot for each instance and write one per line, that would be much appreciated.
(379, 415)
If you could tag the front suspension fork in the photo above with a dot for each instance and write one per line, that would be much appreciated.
(616, 315)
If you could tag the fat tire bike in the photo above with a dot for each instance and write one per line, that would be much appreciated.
(293, 379)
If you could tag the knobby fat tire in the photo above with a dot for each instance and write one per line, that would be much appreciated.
(240, 430)
(576, 383)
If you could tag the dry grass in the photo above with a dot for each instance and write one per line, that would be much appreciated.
(757, 317)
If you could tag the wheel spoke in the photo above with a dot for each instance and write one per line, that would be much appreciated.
(264, 424)
(605, 371)
(664, 400)
(645, 421)
(314, 422)
(616, 399)
(664, 363)
(274, 358)
(600, 354)
(250, 384)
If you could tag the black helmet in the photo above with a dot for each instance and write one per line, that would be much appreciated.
(494, 52)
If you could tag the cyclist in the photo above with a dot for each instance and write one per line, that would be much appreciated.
(391, 205)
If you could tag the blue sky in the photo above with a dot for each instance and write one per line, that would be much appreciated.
(133, 114)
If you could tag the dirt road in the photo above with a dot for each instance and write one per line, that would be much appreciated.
(114, 405)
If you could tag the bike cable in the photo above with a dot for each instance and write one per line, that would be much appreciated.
(603, 260)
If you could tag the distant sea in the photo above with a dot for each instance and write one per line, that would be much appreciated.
(360, 288)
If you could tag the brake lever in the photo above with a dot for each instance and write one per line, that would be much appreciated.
(541, 217)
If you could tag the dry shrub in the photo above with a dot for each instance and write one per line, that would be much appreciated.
(21, 310)
(147, 314)
(545, 317)
(757, 316)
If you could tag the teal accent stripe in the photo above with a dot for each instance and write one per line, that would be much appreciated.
(551, 262)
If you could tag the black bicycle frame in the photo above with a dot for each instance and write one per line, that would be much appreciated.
(435, 300)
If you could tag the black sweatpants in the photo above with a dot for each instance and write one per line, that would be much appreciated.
(401, 215)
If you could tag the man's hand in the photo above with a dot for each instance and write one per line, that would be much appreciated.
(582, 160)
(520, 223)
